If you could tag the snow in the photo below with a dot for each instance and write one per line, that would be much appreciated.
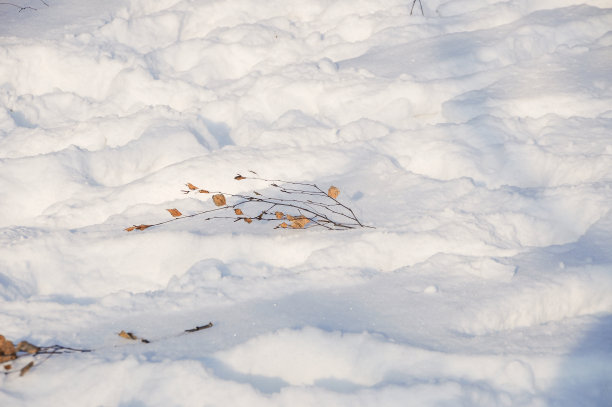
(474, 140)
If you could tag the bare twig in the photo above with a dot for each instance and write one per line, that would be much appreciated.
(21, 8)
(420, 4)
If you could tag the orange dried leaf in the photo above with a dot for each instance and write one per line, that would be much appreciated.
(279, 215)
(6, 346)
(128, 335)
(203, 191)
(299, 223)
(8, 367)
(219, 199)
(26, 368)
(191, 186)
(142, 227)
(174, 212)
(239, 177)
(283, 225)
(333, 192)
(238, 211)
(290, 217)
(130, 228)
(248, 220)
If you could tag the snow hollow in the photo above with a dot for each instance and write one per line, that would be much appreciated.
(474, 139)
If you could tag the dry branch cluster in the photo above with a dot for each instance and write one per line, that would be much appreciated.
(295, 205)
(9, 353)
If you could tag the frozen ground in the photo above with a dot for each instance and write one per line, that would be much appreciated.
(477, 140)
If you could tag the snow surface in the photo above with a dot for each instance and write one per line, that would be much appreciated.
(477, 140)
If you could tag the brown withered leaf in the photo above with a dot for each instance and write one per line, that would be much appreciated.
(191, 186)
(128, 335)
(7, 358)
(130, 228)
(175, 212)
(25, 346)
(279, 215)
(6, 347)
(203, 191)
(283, 225)
(239, 177)
(299, 223)
(26, 368)
(238, 211)
(290, 217)
(219, 199)
(8, 367)
(142, 227)
(333, 192)
(248, 220)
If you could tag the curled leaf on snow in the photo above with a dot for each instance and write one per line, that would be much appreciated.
(290, 217)
(7, 350)
(128, 335)
(26, 368)
(25, 346)
(239, 177)
(238, 211)
(248, 220)
(283, 225)
(191, 186)
(279, 215)
(139, 227)
(174, 212)
(131, 336)
(219, 199)
(8, 367)
(203, 191)
(333, 192)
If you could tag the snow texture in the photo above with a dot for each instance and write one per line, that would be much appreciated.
(476, 140)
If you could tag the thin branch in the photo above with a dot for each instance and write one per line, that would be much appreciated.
(21, 8)
(420, 4)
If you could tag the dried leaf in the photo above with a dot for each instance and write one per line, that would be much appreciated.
(191, 186)
(128, 335)
(142, 227)
(333, 192)
(6, 347)
(279, 215)
(175, 212)
(248, 220)
(283, 225)
(26, 368)
(219, 199)
(24, 346)
(130, 228)
(6, 358)
(203, 191)
(299, 223)
(239, 177)
(290, 217)
(238, 211)
(8, 367)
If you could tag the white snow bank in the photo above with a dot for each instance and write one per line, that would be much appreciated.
(475, 140)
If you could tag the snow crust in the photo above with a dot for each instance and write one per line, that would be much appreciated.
(476, 140)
